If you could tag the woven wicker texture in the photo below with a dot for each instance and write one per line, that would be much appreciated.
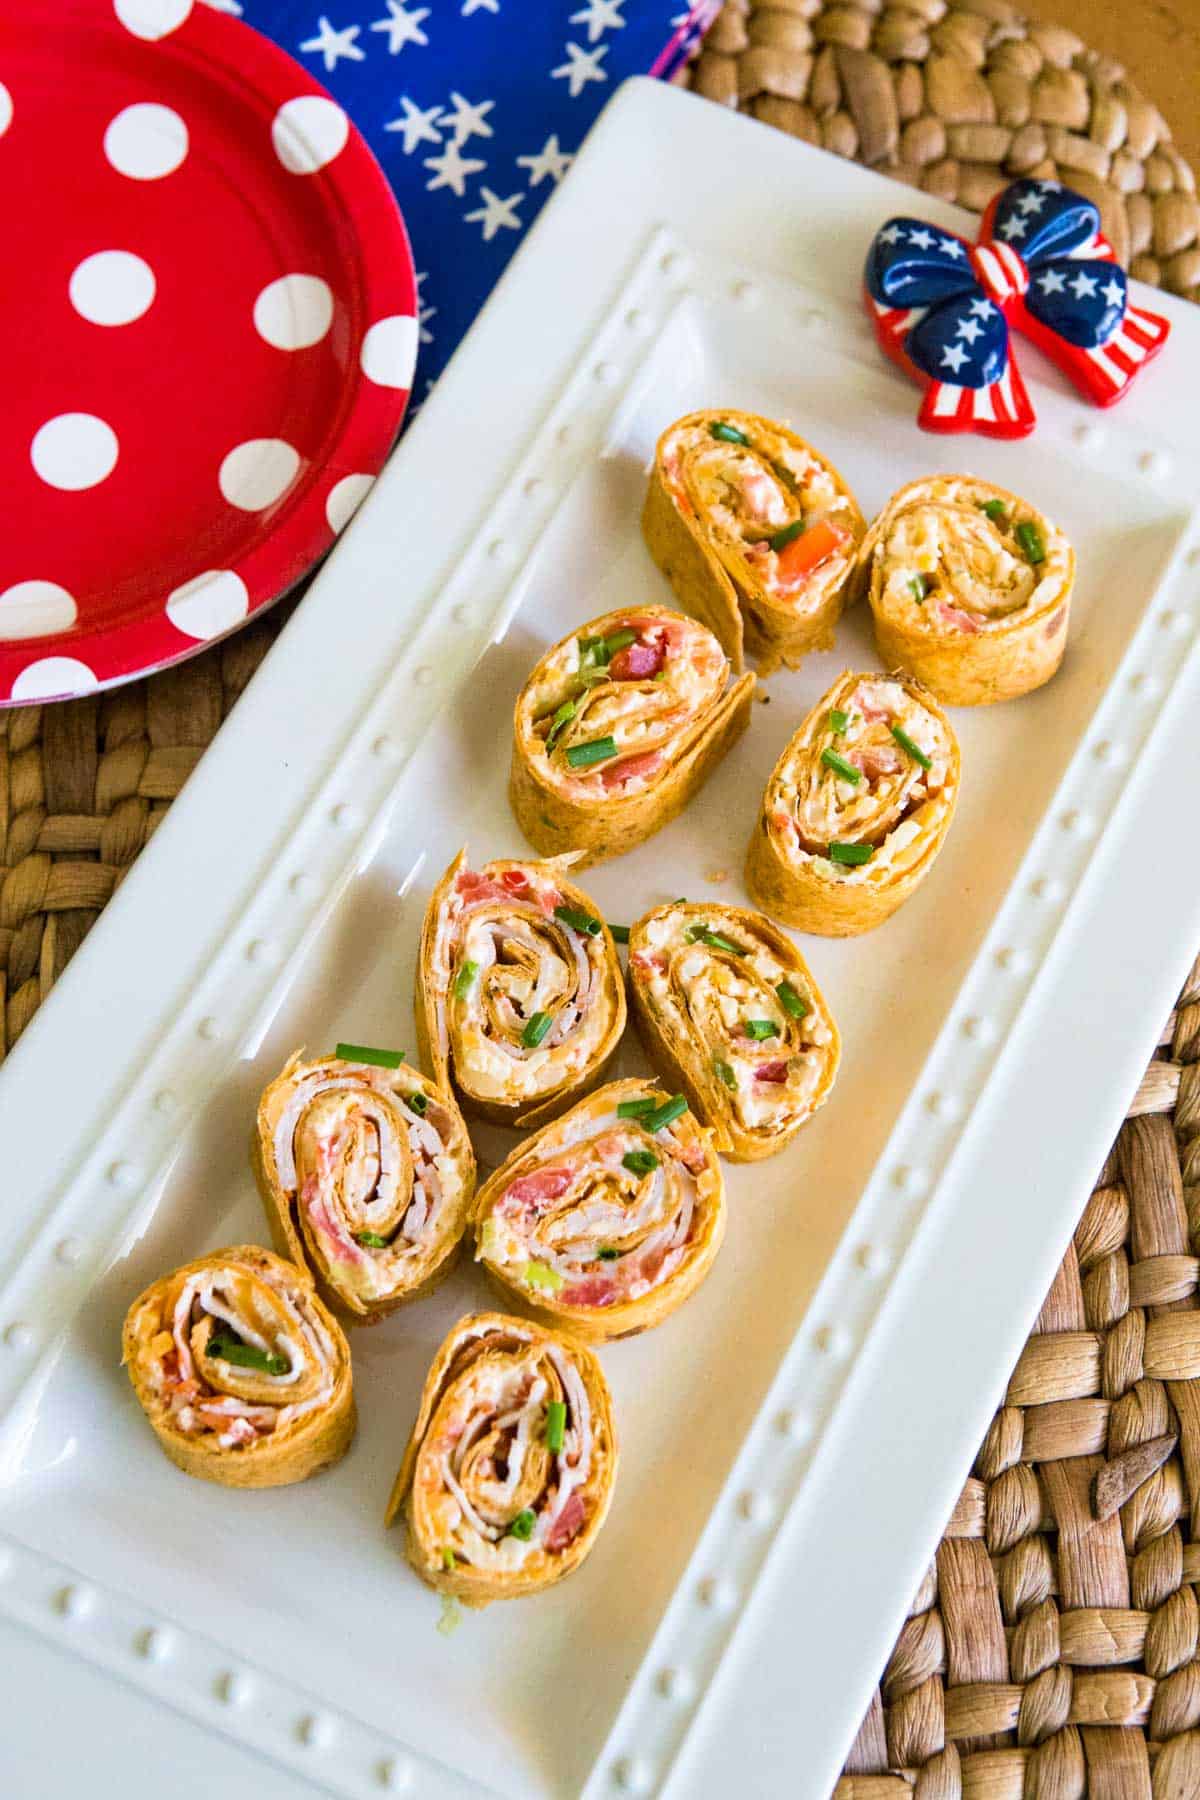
(959, 97)
(1053, 1649)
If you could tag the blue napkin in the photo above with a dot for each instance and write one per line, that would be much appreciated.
(474, 108)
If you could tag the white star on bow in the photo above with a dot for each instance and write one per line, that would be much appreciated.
(950, 246)
(496, 214)
(1050, 187)
(424, 313)
(1113, 292)
(1052, 282)
(549, 164)
(468, 121)
(403, 27)
(921, 240)
(473, 6)
(891, 234)
(332, 45)
(954, 356)
(969, 329)
(600, 16)
(982, 309)
(1014, 228)
(418, 125)
(1031, 203)
(1083, 286)
(580, 67)
(451, 169)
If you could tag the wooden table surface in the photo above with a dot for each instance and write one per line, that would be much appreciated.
(1159, 43)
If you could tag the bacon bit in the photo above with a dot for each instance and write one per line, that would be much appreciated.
(649, 962)
(869, 711)
(529, 1190)
(954, 615)
(876, 760)
(440, 1119)
(618, 774)
(1055, 624)
(758, 491)
(475, 888)
(637, 661)
(691, 1155)
(568, 1524)
(348, 1250)
(593, 1290)
(548, 898)
(515, 880)
(776, 1072)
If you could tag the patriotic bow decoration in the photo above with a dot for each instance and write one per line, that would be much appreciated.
(942, 308)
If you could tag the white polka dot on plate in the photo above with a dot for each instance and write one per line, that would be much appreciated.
(344, 499)
(152, 19)
(113, 287)
(34, 609)
(74, 451)
(389, 351)
(210, 603)
(146, 141)
(308, 132)
(6, 109)
(53, 678)
(256, 473)
(294, 312)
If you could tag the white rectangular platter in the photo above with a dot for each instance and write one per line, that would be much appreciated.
(794, 1438)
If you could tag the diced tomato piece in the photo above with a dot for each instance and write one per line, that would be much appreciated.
(630, 767)
(543, 1184)
(515, 880)
(808, 551)
(593, 1290)
(772, 1071)
(568, 1524)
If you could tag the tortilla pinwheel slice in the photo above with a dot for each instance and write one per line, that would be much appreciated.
(729, 1012)
(606, 1221)
(241, 1370)
(756, 532)
(970, 589)
(617, 727)
(509, 1471)
(367, 1175)
(857, 807)
(520, 1002)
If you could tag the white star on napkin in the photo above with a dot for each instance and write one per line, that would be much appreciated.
(333, 45)
(403, 27)
(418, 125)
(451, 169)
(600, 16)
(496, 214)
(468, 121)
(580, 67)
(548, 164)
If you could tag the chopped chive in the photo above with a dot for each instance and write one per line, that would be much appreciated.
(592, 650)
(606, 1253)
(370, 1240)
(556, 1425)
(620, 933)
(995, 509)
(918, 587)
(448, 1558)
(620, 640)
(464, 981)
(522, 1526)
(728, 434)
(1030, 540)
(724, 1073)
(246, 1356)
(536, 1029)
(838, 721)
(639, 1162)
(785, 475)
(787, 535)
(636, 1109)
(670, 1110)
(851, 854)
(914, 750)
(418, 1103)
(582, 756)
(761, 1028)
(541, 1275)
(363, 1053)
(790, 1000)
(716, 940)
(840, 766)
(578, 920)
(563, 716)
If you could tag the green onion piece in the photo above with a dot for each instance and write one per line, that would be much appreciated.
(716, 940)
(563, 716)
(464, 981)
(592, 650)
(370, 1240)
(597, 750)
(728, 434)
(995, 509)
(620, 933)
(620, 640)
(363, 1053)
(724, 1072)
(640, 1162)
(761, 1028)
(448, 1557)
(790, 1000)
(578, 920)
(522, 1526)
(536, 1029)
(840, 766)
(851, 854)
(654, 1121)
(787, 535)
(246, 1356)
(914, 750)
(556, 1425)
(838, 721)
(418, 1103)
(918, 587)
(606, 1253)
(1030, 540)
(636, 1109)
(541, 1275)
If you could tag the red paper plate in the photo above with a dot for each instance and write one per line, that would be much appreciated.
(209, 317)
